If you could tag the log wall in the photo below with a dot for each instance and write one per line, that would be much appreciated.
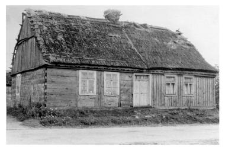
(62, 88)
(9, 102)
(31, 88)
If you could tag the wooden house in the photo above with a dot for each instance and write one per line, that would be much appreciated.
(71, 61)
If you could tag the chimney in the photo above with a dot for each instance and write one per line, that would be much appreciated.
(112, 15)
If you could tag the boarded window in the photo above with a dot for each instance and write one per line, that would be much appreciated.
(87, 82)
(170, 85)
(188, 86)
(111, 83)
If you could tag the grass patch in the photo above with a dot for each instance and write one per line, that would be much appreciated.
(113, 116)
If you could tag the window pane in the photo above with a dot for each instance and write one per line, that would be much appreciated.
(167, 88)
(83, 86)
(170, 79)
(90, 86)
(83, 83)
(188, 79)
(108, 84)
(114, 91)
(108, 76)
(186, 89)
(84, 75)
(145, 77)
(114, 84)
(90, 75)
(191, 91)
(173, 88)
(108, 91)
(114, 77)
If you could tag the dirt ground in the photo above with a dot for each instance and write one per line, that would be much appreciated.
(18, 133)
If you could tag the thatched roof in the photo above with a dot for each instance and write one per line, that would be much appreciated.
(67, 39)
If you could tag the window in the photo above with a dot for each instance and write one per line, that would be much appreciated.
(87, 82)
(170, 85)
(188, 86)
(111, 83)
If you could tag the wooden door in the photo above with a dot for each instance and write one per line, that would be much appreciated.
(141, 88)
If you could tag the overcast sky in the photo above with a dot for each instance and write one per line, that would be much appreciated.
(200, 24)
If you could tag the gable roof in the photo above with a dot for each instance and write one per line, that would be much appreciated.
(68, 39)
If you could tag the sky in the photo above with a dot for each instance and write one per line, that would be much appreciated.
(199, 24)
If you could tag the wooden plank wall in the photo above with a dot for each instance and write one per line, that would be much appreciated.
(62, 88)
(126, 89)
(32, 87)
(28, 56)
(203, 93)
(158, 90)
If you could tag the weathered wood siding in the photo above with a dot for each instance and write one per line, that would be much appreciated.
(63, 91)
(27, 56)
(13, 91)
(158, 90)
(31, 88)
(203, 93)
(62, 88)
(126, 89)
(9, 102)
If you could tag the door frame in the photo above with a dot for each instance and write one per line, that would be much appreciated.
(149, 88)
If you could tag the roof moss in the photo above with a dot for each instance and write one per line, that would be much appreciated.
(83, 40)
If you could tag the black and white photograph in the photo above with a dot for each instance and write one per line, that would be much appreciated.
(112, 75)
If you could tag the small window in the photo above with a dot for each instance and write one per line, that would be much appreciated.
(87, 82)
(188, 86)
(170, 85)
(111, 83)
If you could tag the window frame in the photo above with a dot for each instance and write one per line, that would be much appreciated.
(193, 85)
(175, 87)
(80, 78)
(118, 84)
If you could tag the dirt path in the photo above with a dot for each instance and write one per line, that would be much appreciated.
(182, 134)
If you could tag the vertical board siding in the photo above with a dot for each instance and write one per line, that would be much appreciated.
(126, 89)
(158, 91)
(204, 92)
(62, 88)
(28, 55)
